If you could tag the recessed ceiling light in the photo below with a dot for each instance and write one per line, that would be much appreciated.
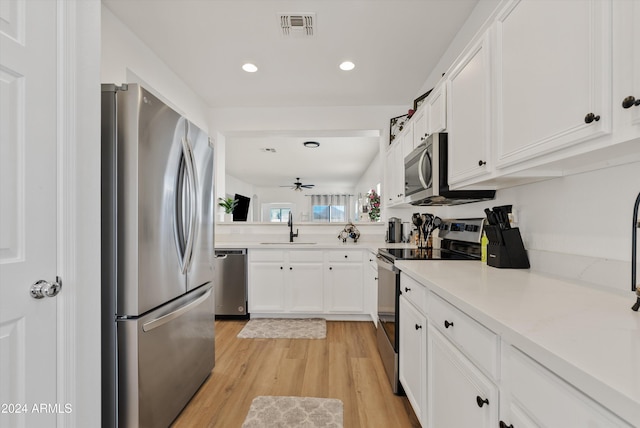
(347, 66)
(311, 144)
(250, 68)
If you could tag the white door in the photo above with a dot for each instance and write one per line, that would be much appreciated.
(28, 153)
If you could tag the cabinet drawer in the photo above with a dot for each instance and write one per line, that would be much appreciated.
(547, 398)
(266, 256)
(306, 256)
(345, 256)
(477, 342)
(414, 292)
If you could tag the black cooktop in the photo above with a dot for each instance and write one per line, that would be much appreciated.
(424, 254)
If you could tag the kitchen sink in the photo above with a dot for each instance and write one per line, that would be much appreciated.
(288, 243)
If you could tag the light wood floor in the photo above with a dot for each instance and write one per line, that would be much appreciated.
(346, 366)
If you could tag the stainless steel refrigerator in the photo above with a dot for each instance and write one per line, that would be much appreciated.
(157, 259)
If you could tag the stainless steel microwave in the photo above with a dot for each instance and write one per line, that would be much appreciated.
(426, 176)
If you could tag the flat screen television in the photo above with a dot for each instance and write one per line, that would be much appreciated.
(241, 211)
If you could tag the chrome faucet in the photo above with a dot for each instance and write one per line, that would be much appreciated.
(290, 224)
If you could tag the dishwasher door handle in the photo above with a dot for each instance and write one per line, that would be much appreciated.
(386, 264)
(222, 256)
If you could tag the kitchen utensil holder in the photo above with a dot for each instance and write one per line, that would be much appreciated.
(505, 248)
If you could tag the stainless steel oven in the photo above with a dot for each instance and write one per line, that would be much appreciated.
(460, 241)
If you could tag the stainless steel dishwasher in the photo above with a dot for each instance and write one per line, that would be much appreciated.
(231, 283)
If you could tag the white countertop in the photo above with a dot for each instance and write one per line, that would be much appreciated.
(587, 336)
(334, 244)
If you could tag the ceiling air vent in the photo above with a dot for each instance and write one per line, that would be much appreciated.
(297, 24)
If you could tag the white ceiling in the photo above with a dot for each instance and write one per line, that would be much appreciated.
(395, 45)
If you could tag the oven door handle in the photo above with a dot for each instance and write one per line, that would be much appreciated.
(386, 264)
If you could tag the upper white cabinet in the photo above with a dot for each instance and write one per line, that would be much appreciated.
(468, 88)
(394, 178)
(553, 76)
(436, 110)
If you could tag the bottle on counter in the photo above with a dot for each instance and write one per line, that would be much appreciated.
(483, 247)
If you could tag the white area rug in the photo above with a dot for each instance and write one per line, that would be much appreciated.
(271, 328)
(298, 412)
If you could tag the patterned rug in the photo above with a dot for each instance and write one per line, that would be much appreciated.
(279, 328)
(298, 412)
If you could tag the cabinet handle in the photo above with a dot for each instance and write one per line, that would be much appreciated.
(407, 289)
(504, 425)
(481, 162)
(346, 256)
(376, 278)
(447, 324)
(630, 101)
(281, 268)
(591, 117)
(290, 268)
(330, 267)
(481, 402)
(418, 326)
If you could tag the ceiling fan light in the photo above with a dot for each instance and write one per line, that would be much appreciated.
(311, 144)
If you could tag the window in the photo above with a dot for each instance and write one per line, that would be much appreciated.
(331, 208)
(329, 213)
(279, 215)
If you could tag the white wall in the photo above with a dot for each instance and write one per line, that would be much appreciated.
(126, 59)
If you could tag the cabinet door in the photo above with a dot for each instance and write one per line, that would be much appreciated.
(420, 125)
(458, 394)
(469, 115)
(437, 110)
(345, 288)
(553, 68)
(399, 175)
(266, 287)
(413, 356)
(390, 185)
(305, 287)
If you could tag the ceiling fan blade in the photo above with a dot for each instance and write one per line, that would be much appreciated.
(307, 186)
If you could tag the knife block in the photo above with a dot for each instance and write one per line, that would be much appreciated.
(505, 248)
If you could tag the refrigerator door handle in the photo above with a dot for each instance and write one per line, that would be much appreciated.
(157, 322)
(192, 204)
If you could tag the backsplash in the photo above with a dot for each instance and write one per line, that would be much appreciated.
(577, 227)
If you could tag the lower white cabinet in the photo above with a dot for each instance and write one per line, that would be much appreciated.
(305, 288)
(534, 396)
(306, 282)
(459, 394)
(413, 357)
(344, 287)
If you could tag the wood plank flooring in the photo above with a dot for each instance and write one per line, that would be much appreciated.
(346, 365)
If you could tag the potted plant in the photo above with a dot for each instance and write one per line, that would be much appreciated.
(228, 204)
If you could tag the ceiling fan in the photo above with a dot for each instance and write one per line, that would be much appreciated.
(298, 186)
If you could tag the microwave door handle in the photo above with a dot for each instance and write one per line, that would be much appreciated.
(421, 170)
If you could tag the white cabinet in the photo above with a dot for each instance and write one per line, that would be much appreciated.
(468, 91)
(267, 281)
(459, 394)
(549, 82)
(420, 124)
(394, 166)
(344, 286)
(371, 287)
(436, 106)
(413, 356)
(307, 282)
(533, 394)
(305, 286)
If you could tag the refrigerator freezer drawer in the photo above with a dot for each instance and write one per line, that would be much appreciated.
(163, 358)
